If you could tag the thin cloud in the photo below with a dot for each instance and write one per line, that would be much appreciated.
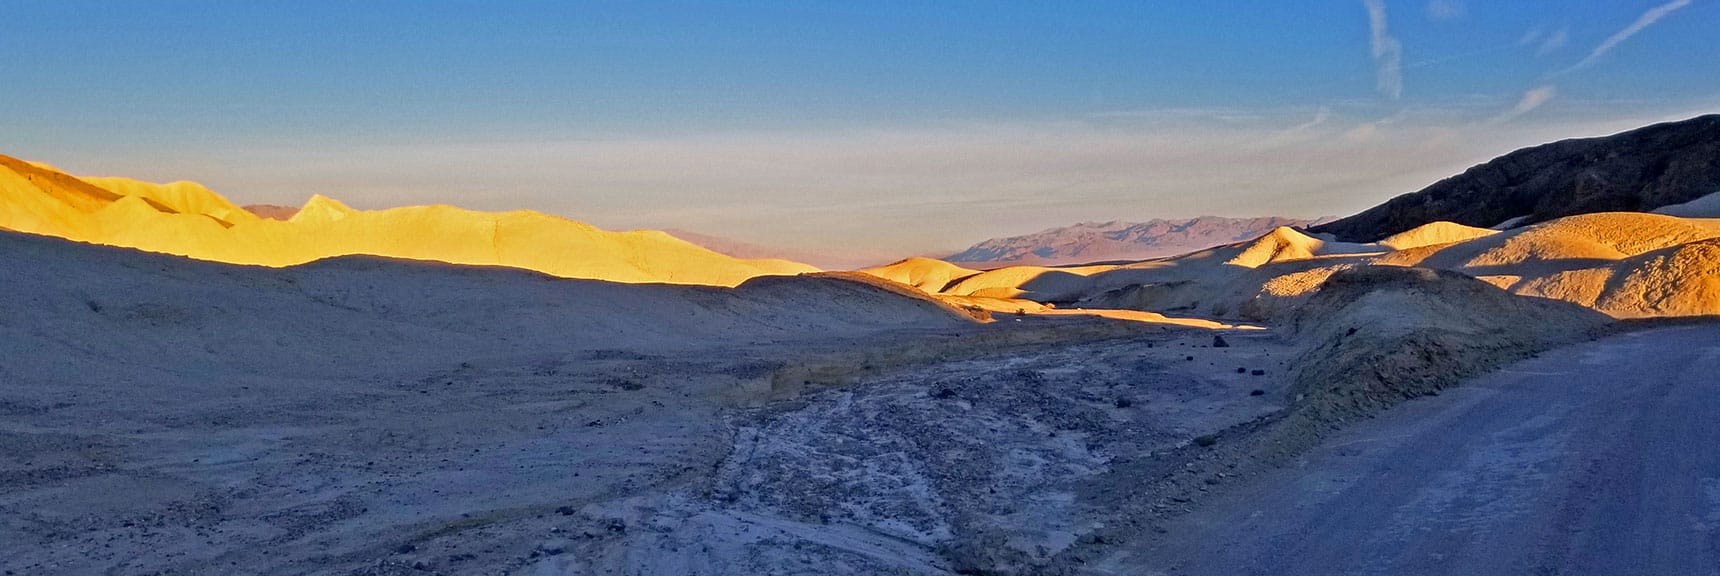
(1531, 36)
(1387, 51)
(1553, 42)
(1642, 22)
(1532, 99)
(1320, 117)
(1300, 132)
(1362, 134)
(1445, 10)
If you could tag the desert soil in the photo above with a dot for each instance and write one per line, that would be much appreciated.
(1590, 459)
(598, 461)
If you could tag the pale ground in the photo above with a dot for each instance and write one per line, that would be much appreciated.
(366, 416)
(159, 415)
(1593, 459)
(362, 416)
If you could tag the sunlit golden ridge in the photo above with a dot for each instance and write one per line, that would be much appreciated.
(1625, 264)
(187, 219)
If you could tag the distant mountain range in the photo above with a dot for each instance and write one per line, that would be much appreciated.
(272, 211)
(1107, 241)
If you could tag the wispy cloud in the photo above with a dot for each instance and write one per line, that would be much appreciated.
(1387, 51)
(1642, 22)
(1444, 10)
(1532, 99)
(1304, 131)
(1320, 117)
(1531, 36)
(1553, 42)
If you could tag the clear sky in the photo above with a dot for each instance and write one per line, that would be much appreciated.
(891, 127)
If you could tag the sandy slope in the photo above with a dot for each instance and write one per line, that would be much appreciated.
(158, 413)
(1625, 264)
(924, 273)
(1434, 234)
(365, 416)
(369, 416)
(187, 219)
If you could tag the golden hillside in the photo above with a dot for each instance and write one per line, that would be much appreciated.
(1625, 264)
(187, 219)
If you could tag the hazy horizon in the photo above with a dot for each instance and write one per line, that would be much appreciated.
(902, 129)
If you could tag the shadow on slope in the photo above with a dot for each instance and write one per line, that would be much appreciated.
(1373, 337)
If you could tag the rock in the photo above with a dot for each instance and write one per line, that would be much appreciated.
(1257, 392)
(1634, 171)
(1218, 341)
(553, 547)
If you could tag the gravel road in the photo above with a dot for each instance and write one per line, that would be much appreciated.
(1593, 459)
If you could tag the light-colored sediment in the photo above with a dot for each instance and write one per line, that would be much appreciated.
(187, 219)
(1627, 265)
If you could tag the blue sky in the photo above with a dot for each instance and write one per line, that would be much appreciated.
(834, 124)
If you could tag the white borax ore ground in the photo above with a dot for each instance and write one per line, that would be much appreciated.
(366, 416)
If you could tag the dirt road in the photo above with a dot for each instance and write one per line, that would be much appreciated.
(1593, 459)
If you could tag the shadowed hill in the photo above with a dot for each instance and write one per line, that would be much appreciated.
(152, 307)
(1635, 171)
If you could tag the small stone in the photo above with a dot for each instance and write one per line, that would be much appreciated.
(1257, 392)
(1258, 372)
(1218, 341)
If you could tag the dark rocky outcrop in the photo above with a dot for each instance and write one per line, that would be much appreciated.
(1634, 171)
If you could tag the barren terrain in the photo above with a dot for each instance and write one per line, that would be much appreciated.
(368, 416)
(1586, 460)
